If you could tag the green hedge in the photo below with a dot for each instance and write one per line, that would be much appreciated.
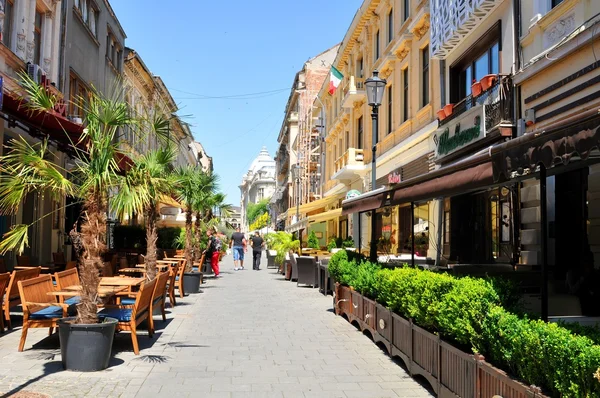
(167, 237)
(469, 311)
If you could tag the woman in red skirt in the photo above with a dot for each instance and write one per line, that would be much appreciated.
(213, 251)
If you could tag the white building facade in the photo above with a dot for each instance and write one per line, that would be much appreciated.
(258, 183)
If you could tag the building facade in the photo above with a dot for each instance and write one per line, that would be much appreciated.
(300, 144)
(258, 183)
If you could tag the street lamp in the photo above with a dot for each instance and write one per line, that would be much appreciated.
(296, 177)
(375, 89)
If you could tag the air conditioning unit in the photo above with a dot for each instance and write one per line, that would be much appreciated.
(76, 119)
(35, 72)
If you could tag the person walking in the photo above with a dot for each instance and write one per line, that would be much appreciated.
(257, 246)
(238, 246)
(213, 250)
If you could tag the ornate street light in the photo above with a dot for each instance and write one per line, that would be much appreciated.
(375, 89)
(296, 177)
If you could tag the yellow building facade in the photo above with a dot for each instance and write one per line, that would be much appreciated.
(391, 37)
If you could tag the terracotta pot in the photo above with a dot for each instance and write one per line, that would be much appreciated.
(448, 109)
(487, 81)
(476, 89)
(441, 114)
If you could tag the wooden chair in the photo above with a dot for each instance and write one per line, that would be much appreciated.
(71, 265)
(2, 266)
(40, 309)
(179, 277)
(12, 297)
(129, 318)
(23, 261)
(173, 272)
(58, 259)
(4, 280)
(108, 269)
(65, 279)
(158, 298)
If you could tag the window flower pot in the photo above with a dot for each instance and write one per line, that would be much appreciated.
(441, 114)
(487, 81)
(448, 109)
(476, 89)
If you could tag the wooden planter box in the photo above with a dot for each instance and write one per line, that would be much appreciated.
(343, 300)
(369, 316)
(383, 325)
(357, 308)
(450, 371)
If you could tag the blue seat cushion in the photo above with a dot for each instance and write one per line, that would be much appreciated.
(51, 312)
(157, 300)
(120, 314)
(128, 301)
(195, 269)
(177, 278)
(73, 300)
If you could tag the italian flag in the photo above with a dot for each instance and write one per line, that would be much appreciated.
(335, 78)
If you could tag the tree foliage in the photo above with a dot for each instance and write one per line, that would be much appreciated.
(254, 210)
(261, 221)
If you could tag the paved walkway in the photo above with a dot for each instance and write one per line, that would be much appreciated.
(248, 334)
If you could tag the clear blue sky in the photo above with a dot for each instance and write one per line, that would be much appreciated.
(216, 49)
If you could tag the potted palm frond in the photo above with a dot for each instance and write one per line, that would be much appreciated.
(29, 168)
(283, 243)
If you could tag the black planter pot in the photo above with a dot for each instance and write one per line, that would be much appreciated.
(191, 282)
(86, 348)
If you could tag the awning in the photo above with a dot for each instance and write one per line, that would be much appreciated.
(365, 202)
(61, 131)
(458, 182)
(169, 201)
(302, 224)
(319, 204)
(326, 216)
(550, 148)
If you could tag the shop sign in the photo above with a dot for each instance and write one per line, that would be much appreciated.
(394, 177)
(458, 133)
(60, 107)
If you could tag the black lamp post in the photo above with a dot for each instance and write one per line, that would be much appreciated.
(375, 89)
(296, 176)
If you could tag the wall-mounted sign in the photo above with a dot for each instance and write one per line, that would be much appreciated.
(394, 177)
(353, 193)
(170, 211)
(460, 132)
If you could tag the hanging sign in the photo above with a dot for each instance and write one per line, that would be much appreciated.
(460, 132)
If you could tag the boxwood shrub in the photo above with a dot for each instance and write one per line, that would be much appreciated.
(469, 311)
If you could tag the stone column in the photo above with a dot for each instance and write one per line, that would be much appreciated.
(29, 29)
(46, 51)
(55, 64)
(20, 29)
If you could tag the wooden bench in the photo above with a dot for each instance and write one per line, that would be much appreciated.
(129, 318)
(13, 297)
(65, 279)
(40, 309)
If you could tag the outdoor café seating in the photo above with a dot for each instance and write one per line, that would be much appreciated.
(40, 309)
(130, 317)
(67, 278)
(158, 298)
(307, 271)
(12, 297)
(4, 280)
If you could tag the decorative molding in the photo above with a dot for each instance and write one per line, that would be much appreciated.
(21, 41)
(387, 71)
(49, 14)
(402, 52)
(47, 64)
(30, 49)
(452, 21)
(555, 32)
(422, 28)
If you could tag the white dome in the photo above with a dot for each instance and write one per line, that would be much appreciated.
(263, 160)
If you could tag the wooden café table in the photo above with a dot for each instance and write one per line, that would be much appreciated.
(103, 291)
(162, 267)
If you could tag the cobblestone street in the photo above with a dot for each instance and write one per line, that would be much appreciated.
(248, 334)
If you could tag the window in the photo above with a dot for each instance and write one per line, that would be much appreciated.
(390, 26)
(556, 2)
(425, 76)
(8, 23)
(480, 60)
(377, 45)
(78, 93)
(359, 129)
(405, 95)
(406, 7)
(89, 14)
(347, 140)
(113, 51)
(37, 37)
(389, 110)
(359, 67)
(261, 193)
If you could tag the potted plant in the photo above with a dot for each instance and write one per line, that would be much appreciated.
(313, 241)
(283, 243)
(441, 114)
(487, 81)
(476, 89)
(448, 109)
(98, 171)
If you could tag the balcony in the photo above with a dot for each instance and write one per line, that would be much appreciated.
(354, 90)
(293, 117)
(349, 164)
(497, 106)
(452, 21)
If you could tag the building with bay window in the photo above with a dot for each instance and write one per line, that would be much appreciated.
(257, 184)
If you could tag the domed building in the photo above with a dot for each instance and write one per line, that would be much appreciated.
(258, 183)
